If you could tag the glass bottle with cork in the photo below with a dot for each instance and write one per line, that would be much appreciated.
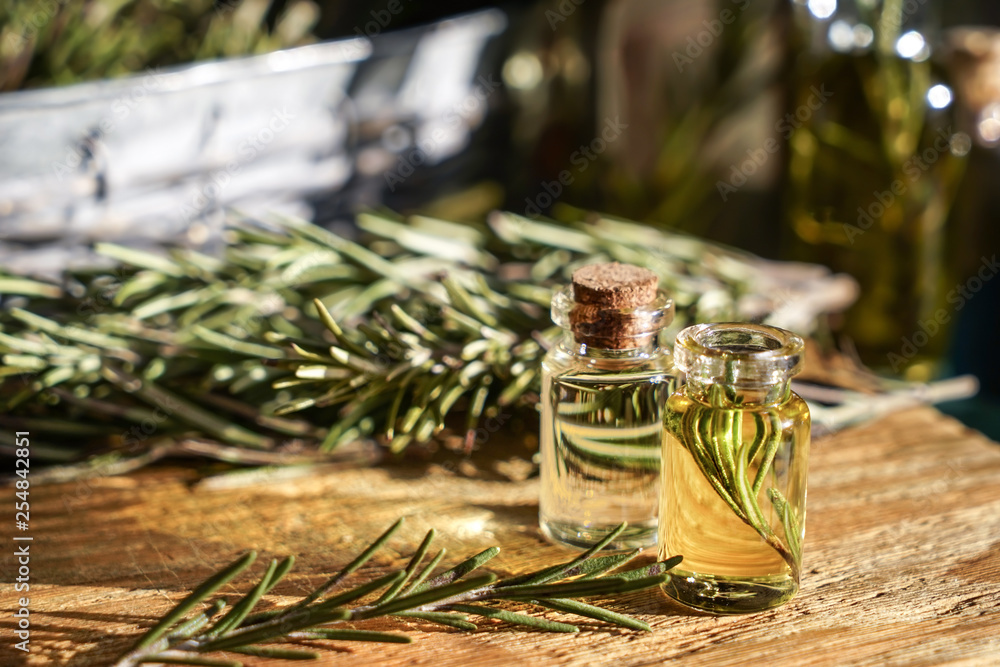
(603, 388)
(735, 455)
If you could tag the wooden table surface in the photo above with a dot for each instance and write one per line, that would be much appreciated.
(901, 565)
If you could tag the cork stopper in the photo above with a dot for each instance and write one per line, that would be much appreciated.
(604, 296)
(614, 285)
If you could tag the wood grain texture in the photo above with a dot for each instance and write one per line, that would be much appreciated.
(901, 564)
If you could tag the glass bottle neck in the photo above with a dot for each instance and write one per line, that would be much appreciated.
(735, 364)
(647, 348)
(730, 397)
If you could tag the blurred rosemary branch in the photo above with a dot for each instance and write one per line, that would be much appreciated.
(58, 42)
(182, 636)
(296, 336)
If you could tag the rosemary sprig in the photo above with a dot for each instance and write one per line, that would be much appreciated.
(448, 599)
(297, 337)
(714, 437)
(133, 36)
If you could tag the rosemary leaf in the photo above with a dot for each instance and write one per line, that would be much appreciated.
(276, 653)
(652, 570)
(271, 630)
(359, 592)
(242, 608)
(560, 572)
(788, 521)
(411, 567)
(595, 567)
(351, 636)
(283, 568)
(351, 567)
(196, 623)
(71, 333)
(590, 611)
(140, 259)
(209, 586)
(184, 410)
(587, 588)
(427, 597)
(171, 658)
(774, 437)
(748, 500)
(441, 618)
(727, 438)
(334, 328)
(460, 570)
(515, 618)
(241, 347)
(425, 572)
(760, 433)
(26, 287)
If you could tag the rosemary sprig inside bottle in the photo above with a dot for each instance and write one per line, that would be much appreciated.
(737, 467)
(186, 634)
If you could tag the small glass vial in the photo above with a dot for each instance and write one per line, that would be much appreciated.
(735, 455)
(603, 389)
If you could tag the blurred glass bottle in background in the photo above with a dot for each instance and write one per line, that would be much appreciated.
(697, 87)
(875, 163)
(973, 60)
(639, 108)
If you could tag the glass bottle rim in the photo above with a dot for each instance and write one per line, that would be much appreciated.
(740, 354)
(643, 320)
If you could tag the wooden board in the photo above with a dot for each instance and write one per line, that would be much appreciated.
(902, 559)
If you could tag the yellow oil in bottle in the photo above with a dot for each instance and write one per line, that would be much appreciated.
(729, 567)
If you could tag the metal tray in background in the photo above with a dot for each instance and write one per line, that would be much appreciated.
(160, 155)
